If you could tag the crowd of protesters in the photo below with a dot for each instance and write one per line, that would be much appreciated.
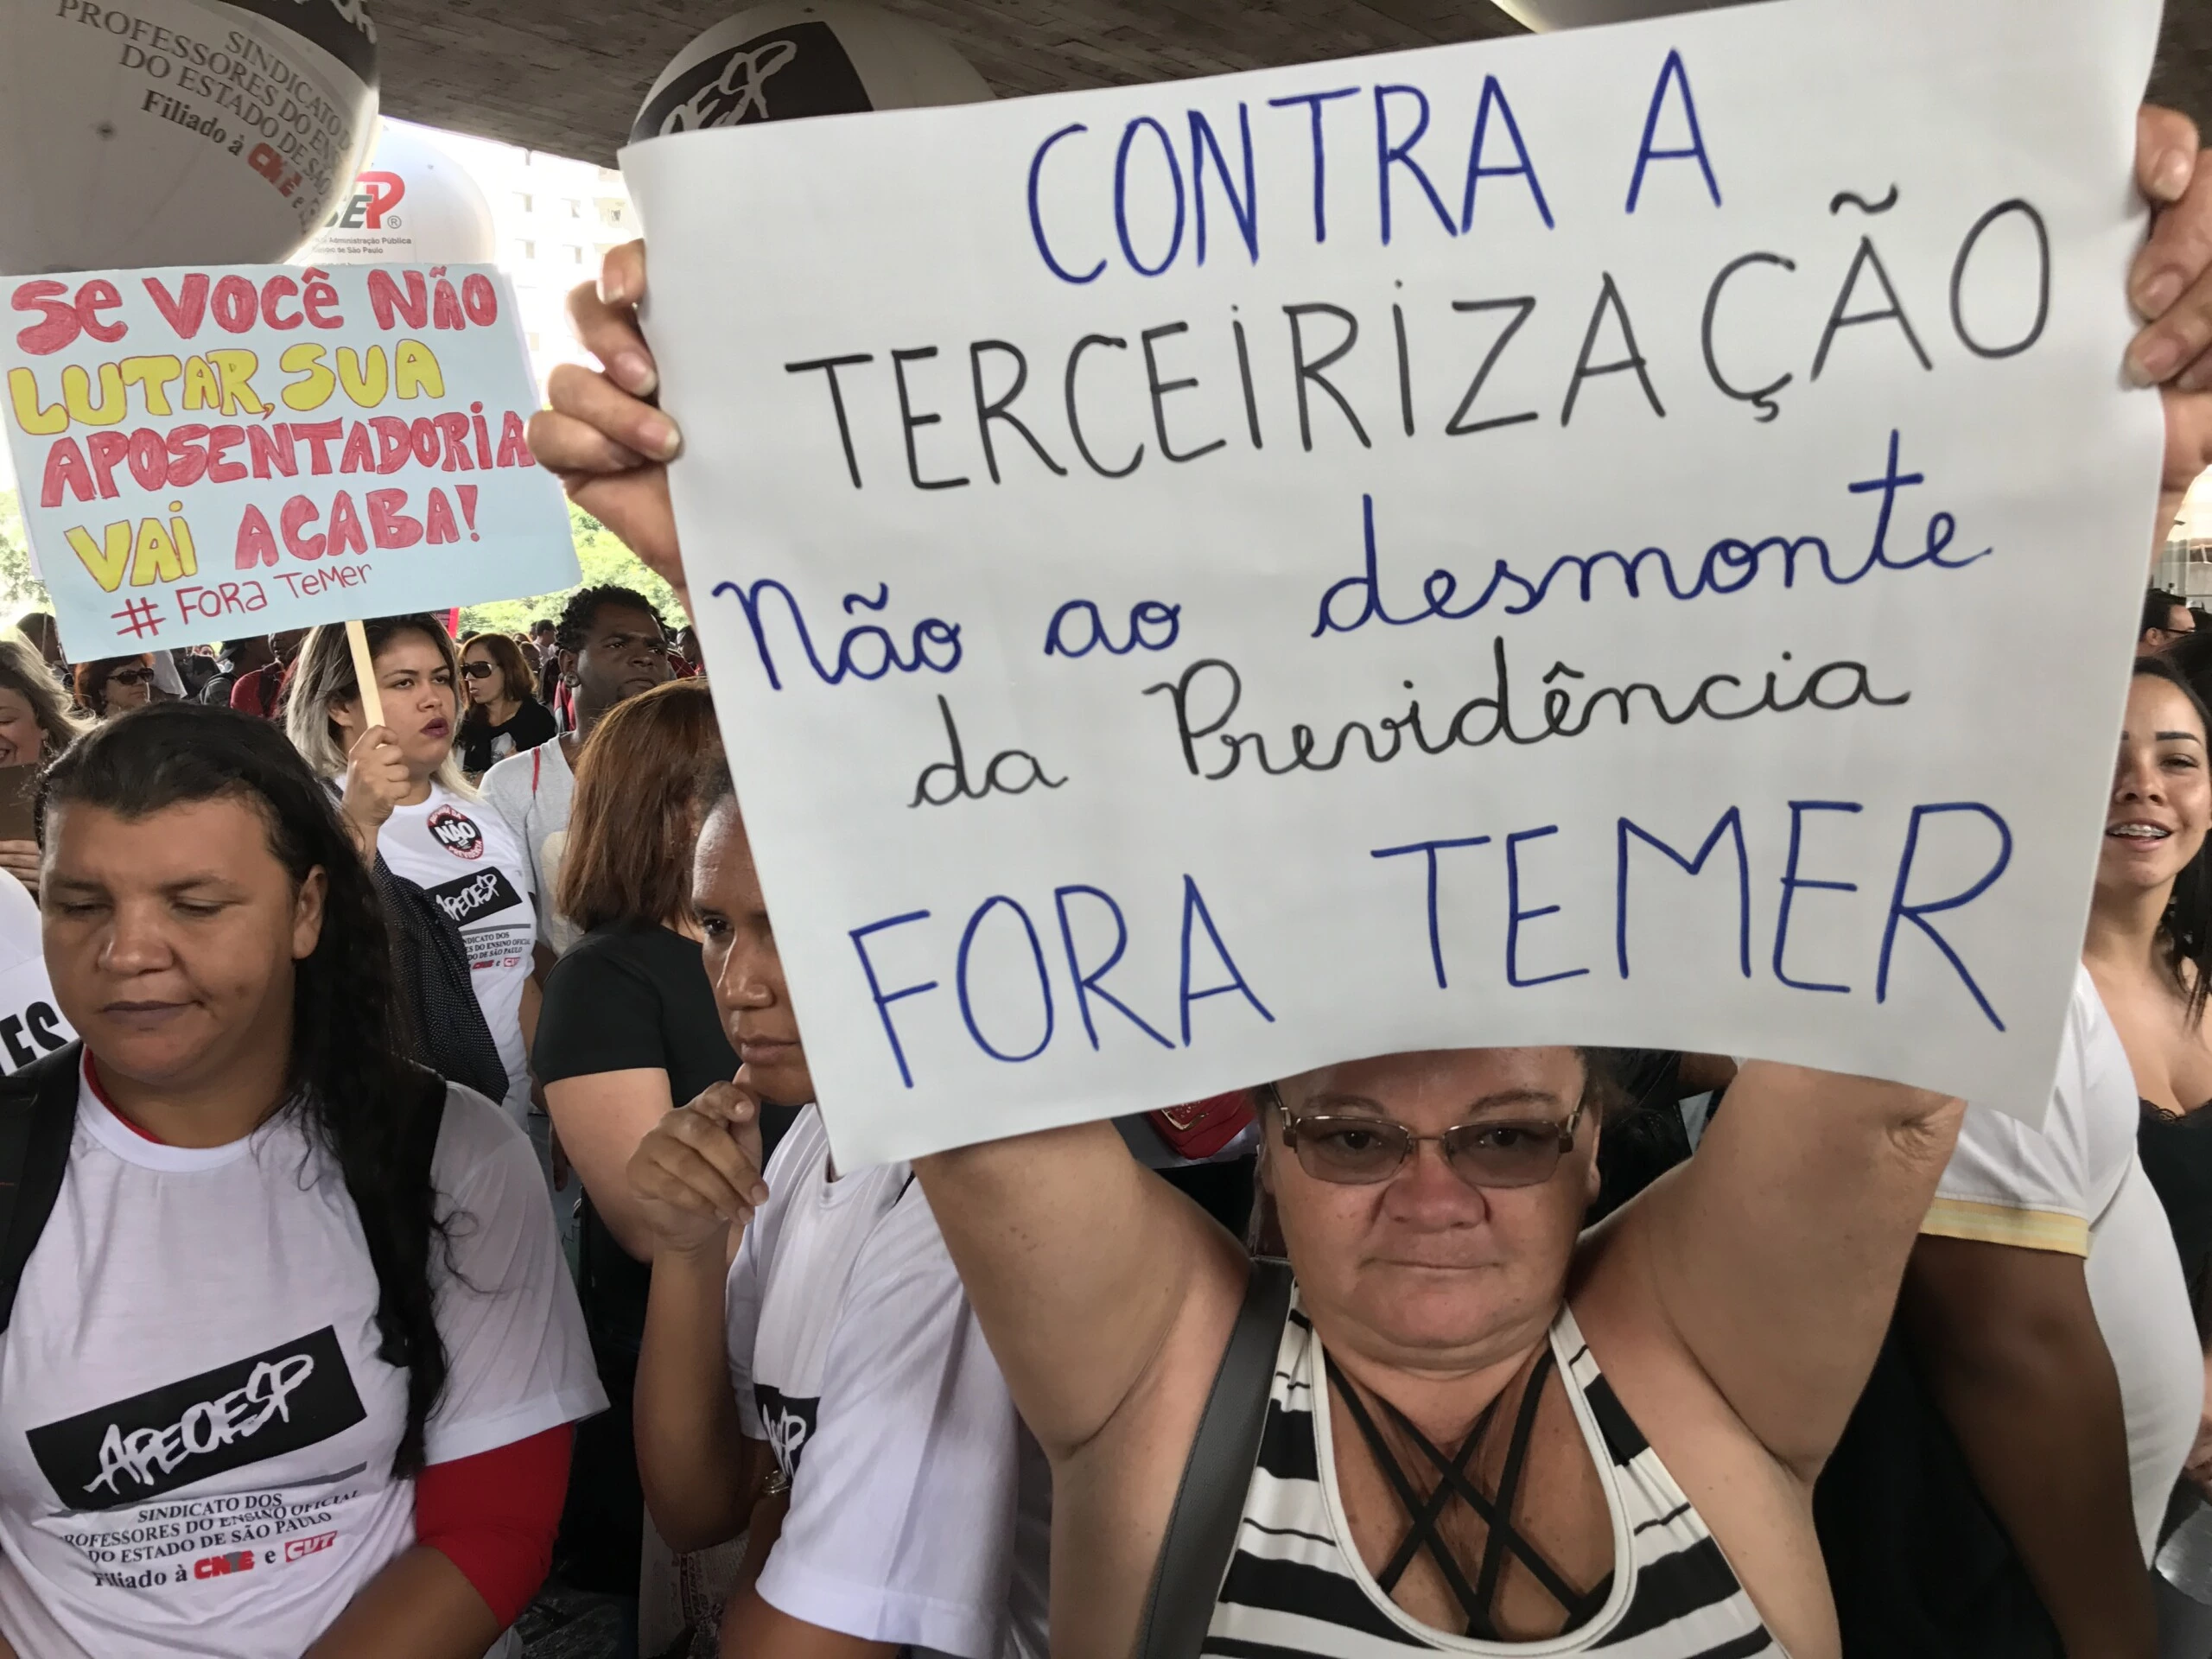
(434, 1198)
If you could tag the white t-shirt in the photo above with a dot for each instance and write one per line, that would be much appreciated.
(30, 1023)
(533, 792)
(920, 1508)
(463, 855)
(2078, 1188)
(196, 1433)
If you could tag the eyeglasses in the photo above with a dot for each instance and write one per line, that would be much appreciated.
(131, 676)
(479, 670)
(1360, 1150)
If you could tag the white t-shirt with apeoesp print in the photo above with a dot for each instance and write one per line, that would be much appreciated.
(196, 1433)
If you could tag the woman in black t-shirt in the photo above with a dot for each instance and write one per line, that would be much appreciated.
(628, 1031)
(504, 718)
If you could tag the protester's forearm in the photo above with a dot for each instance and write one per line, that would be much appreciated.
(600, 1118)
(751, 1629)
(1775, 1253)
(760, 1534)
(694, 1461)
(2029, 1389)
(1078, 1264)
(420, 1605)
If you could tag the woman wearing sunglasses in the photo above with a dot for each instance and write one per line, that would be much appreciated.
(114, 685)
(504, 716)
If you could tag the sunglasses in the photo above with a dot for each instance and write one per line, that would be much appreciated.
(478, 670)
(1360, 1150)
(131, 676)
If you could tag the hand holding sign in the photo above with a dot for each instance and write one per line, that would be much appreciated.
(377, 781)
(607, 444)
(2171, 286)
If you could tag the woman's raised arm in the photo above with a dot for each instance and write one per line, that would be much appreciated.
(1085, 1270)
(1774, 1256)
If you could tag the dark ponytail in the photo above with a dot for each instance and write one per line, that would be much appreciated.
(372, 1111)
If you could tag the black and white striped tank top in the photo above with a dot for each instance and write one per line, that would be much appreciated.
(1296, 1587)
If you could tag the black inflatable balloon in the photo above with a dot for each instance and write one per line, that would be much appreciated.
(781, 62)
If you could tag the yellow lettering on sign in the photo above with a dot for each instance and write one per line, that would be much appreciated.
(77, 395)
(418, 369)
(23, 391)
(180, 533)
(154, 375)
(105, 562)
(312, 389)
(236, 366)
(365, 379)
(154, 556)
(201, 389)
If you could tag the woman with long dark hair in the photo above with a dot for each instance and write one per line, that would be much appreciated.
(2010, 1467)
(291, 1366)
(504, 715)
(2150, 943)
(2150, 950)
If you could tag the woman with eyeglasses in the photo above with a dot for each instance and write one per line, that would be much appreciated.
(1457, 1418)
(113, 685)
(503, 714)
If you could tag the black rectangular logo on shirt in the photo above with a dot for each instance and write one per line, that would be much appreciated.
(289, 1396)
(790, 1422)
(467, 899)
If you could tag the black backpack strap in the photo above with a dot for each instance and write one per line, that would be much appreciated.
(38, 1116)
(1209, 1503)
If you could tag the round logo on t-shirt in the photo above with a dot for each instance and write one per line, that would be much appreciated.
(456, 832)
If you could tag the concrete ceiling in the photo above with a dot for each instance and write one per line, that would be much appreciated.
(567, 75)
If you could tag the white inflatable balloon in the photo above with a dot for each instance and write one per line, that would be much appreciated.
(176, 132)
(1543, 15)
(797, 58)
(411, 204)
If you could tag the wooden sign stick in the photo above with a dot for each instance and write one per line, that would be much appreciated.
(365, 674)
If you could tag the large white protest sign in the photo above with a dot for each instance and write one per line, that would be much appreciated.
(1624, 538)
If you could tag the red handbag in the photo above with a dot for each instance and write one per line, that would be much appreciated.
(1204, 1127)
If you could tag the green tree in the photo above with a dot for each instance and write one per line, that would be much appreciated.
(21, 592)
(605, 561)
